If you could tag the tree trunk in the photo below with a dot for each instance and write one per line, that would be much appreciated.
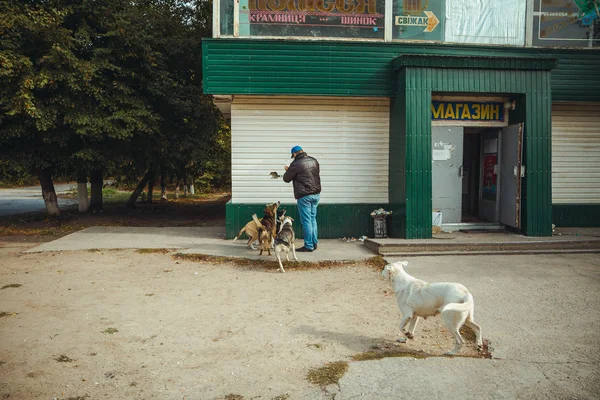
(163, 186)
(185, 186)
(192, 189)
(150, 188)
(84, 204)
(96, 195)
(48, 192)
(177, 184)
(139, 188)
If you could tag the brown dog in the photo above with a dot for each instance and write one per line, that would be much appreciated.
(251, 228)
(267, 229)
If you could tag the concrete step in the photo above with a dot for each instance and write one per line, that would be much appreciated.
(431, 246)
(487, 253)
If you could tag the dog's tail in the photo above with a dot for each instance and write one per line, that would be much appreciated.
(257, 222)
(466, 305)
(239, 234)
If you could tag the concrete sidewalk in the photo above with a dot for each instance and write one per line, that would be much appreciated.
(210, 241)
(192, 240)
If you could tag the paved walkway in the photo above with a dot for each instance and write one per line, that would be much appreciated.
(210, 241)
(192, 240)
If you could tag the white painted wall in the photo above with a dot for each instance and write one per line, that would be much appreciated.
(576, 153)
(348, 136)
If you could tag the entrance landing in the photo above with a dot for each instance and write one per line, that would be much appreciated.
(564, 240)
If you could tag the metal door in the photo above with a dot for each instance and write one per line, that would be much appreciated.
(446, 172)
(512, 171)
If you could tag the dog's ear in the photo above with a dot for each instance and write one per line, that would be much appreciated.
(401, 264)
(291, 219)
(388, 272)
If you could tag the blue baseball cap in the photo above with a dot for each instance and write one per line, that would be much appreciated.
(296, 149)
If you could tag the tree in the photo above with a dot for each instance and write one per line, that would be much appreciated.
(39, 82)
(93, 88)
(63, 88)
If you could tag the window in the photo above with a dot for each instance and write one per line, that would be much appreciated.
(313, 18)
(574, 23)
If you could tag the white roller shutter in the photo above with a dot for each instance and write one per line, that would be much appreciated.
(348, 136)
(576, 153)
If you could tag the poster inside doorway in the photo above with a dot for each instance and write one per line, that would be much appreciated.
(490, 177)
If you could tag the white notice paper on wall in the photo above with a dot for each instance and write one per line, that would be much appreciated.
(441, 155)
(490, 146)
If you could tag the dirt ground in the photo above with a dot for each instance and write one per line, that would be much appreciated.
(124, 324)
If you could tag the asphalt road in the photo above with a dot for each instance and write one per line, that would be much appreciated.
(29, 199)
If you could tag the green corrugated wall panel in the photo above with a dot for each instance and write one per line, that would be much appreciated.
(418, 152)
(421, 82)
(397, 164)
(334, 220)
(238, 66)
(577, 215)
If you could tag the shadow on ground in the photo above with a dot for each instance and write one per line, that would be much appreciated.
(205, 211)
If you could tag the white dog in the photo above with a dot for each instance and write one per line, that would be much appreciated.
(417, 298)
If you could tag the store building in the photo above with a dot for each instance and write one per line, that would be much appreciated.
(484, 113)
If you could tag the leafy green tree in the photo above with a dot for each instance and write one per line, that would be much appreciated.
(113, 88)
(40, 80)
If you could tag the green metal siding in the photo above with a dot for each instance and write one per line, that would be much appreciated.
(421, 82)
(288, 67)
(580, 215)
(334, 220)
(397, 165)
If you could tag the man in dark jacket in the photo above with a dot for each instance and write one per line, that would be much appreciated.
(304, 171)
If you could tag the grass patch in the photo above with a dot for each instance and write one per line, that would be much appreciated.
(377, 262)
(112, 195)
(379, 354)
(373, 262)
(64, 358)
(110, 330)
(12, 285)
(233, 396)
(329, 374)
(159, 251)
(21, 231)
(282, 397)
(7, 314)
(149, 294)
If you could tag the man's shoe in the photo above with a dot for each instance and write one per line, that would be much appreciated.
(304, 250)
(316, 245)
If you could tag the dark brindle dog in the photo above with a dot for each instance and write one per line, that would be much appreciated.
(267, 229)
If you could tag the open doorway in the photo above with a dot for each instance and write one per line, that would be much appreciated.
(476, 175)
(471, 175)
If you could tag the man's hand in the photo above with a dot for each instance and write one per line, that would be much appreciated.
(286, 167)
